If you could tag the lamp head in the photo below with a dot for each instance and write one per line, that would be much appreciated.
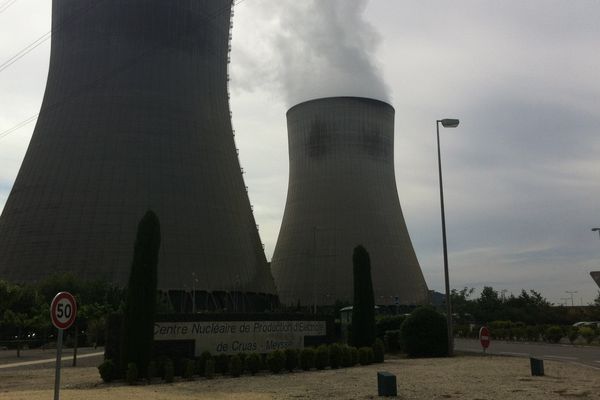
(449, 123)
(595, 229)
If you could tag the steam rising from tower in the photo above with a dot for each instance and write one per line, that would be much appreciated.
(342, 193)
(135, 117)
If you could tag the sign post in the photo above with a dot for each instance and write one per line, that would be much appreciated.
(484, 337)
(63, 311)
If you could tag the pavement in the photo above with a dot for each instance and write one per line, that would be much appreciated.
(38, 358)
(574, 354)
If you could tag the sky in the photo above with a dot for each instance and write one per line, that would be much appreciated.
(520, 172)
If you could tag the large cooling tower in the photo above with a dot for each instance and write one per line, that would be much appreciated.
(135, 117)
(342, 192)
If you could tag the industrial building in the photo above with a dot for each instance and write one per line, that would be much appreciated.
(136, 116)
(342, 193)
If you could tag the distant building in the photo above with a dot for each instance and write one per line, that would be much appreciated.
(342, 193)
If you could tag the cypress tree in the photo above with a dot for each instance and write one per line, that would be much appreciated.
(140, 306)
(363, 310)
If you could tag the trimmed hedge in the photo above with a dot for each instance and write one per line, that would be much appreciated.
(201, 362)
(307, 359)
(291, 359)
(322, 357)
(335, 355)
(235, 366)
(378, 351)
(252, 363)
(276, 361)
(107, 370)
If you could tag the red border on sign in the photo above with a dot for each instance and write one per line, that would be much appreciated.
(57, 298)
(484, 331)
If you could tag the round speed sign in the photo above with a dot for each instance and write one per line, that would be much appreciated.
(63, 310)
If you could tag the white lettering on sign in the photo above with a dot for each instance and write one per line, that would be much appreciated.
(231, 337)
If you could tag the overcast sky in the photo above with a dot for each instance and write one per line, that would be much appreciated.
(520, 172)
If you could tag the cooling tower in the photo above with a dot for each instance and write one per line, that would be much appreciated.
(135, 117)
(342, 193)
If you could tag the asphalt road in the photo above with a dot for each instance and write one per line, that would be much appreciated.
(37, 358)
(587, 355)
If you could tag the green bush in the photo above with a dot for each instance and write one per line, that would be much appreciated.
(107, 370)
(235, 366)
(307, 359)
(322, 357)
(532, 333)
(222, 364)
(346, 357)
(588, 333)
(132, 373)
(188, 370)
(378, 351)
(365, 355)
(423, 333)
(573, 334)
(169, 370)
(353, 355)
(209, 368)
(291, 359)
(388, 323)
(252, 363)
(392, 341)
(151, 371)
(276, 361)
(553, 334)
(335, 355)
(201, 362)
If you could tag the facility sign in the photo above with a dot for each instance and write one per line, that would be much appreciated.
(232, 337)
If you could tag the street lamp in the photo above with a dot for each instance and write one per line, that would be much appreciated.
(446, 123)
(596, 230)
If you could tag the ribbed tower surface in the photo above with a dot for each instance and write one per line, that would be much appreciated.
(342, 193)
(135, 117)
(596, 277)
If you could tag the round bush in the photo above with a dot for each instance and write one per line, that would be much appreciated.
(378, 351)
(307, 359)
(107, 370)
(588, 333)
(365, 355)
(346, 357)
(291, 359)
(335, 355)
(235, 366)
(424, 333)
(169, 370)
(201, 362)
(322, 357)
(132, 373)
(151, 371)
(188, 370)
(209, 368)
(392, 341)
(253, 363)
(276, 361)
(353, 355)
(554, 333)
(222, 364)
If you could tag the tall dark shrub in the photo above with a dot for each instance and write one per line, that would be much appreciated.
(140, 306)
(363, 311)
(423, 333)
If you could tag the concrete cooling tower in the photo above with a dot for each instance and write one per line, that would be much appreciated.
(135, 117)
(342, 193)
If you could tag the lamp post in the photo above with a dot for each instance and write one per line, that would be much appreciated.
(446, 123)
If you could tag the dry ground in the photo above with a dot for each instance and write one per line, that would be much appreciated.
(462, 377)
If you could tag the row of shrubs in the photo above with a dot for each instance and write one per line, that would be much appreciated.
(325, 356)
(508, 330)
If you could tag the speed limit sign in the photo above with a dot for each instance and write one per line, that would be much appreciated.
(63, 310)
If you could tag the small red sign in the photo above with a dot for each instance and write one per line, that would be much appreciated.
(484, 337)
(63, 310)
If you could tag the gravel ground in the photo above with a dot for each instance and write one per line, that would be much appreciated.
(461, 377)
